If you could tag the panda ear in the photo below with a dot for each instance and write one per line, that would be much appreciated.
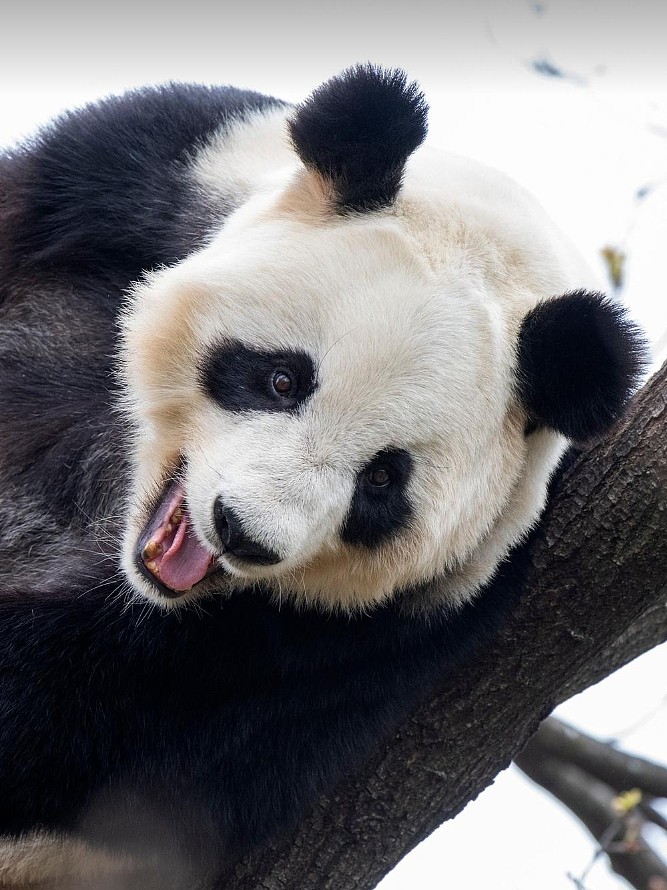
(357, 131)
(579, 359)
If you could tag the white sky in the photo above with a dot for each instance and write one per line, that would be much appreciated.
(584, 145)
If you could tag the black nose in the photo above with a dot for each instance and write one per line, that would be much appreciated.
(235, 541)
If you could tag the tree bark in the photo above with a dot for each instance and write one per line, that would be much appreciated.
(595, 598)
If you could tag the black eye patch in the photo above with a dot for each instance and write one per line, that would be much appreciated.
(380, 506)
(242, 378)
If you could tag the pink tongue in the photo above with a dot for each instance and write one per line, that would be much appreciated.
(186, 562)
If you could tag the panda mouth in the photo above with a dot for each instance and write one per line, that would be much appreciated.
(169, 554)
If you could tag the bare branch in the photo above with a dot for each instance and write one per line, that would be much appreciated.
(618, 770)
(652, 815)
(593, 802)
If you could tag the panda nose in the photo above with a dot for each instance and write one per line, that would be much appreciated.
(235, 541)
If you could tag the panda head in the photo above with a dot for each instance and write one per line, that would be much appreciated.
(363, 382)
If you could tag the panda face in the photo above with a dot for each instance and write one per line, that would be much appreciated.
(340, 416)
(361, 384)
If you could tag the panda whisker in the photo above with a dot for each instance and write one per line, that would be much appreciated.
(196, 606)
(98, 556)
(115, 576)
(279, 591)
(110, 517)
(333, 345)
(83, 512)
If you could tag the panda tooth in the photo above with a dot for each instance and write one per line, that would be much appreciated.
(153, 567)
(150, 551)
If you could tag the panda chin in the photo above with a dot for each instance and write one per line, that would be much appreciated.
(168, 554)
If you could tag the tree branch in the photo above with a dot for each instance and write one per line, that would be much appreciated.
(595, 597)
(586, 776)
(615, 768)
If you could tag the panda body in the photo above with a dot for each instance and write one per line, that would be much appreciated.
(344, 357)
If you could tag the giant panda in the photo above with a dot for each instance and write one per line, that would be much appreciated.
(281, 392)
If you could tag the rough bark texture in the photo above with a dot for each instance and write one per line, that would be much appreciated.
(595, 597)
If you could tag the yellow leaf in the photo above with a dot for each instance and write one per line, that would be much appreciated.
(615, 261)
(627, 801)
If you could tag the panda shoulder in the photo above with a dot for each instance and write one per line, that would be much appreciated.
(104, 190)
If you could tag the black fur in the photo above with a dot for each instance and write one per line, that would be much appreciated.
(106, 191)
(357, 131)
(580, 358)
(239, 377)
(209, 733)
(378, 513)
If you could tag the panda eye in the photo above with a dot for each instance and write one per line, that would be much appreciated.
(380, 507)
(378, 477)
(283, 384)
(239, 377)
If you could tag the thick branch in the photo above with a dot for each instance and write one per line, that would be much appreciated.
(613, 767)
(595, 597)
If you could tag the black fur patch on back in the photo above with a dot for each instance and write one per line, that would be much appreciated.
(357, 131)
(379, 512)
(106, 190)
(580, 358)
(239, 377)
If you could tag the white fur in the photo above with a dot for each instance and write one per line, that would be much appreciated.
(44, 859)
(411, 315)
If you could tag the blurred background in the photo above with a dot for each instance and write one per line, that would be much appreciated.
(569, 97)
